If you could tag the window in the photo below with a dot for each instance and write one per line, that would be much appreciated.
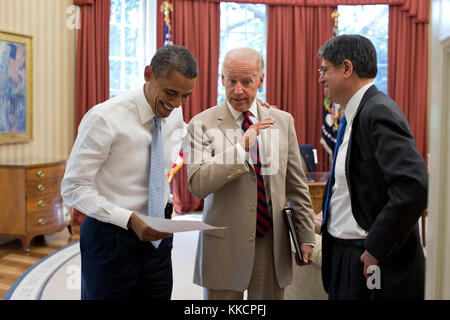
(241, 25)
(372, 22)
(129, 51)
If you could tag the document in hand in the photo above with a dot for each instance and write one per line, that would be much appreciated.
(290, 222)
(172, 226)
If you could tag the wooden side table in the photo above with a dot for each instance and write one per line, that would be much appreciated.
(316, 194)
(30, 200)
(316, 183)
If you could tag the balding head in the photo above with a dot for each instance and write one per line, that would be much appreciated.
(242, 76)
(246, 54)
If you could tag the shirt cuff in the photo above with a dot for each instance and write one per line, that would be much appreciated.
(310, 243)
(120, 217)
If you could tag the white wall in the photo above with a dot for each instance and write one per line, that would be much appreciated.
(438, 237)
(54, 52)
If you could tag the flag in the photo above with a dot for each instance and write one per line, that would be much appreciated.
(177, 165)
(166, 7)
(330, 122)
(331, 112)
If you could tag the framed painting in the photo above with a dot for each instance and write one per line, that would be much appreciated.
(16, 97)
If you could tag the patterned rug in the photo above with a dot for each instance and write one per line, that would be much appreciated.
(58, 276)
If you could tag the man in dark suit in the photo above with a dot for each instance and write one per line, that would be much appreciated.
(377, 188)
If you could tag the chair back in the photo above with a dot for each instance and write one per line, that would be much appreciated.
(306, 150)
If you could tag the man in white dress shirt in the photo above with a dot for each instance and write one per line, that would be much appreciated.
(107, 178)
(377, 189)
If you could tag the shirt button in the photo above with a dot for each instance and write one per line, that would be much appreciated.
(251, 239)
(253, 208)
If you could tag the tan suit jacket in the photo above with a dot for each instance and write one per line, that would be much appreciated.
(224, 259)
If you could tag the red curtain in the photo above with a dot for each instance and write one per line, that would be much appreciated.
(92, 69)
(408, 65)
(296, 32)
(317, 3)
(296, 29)
(196, 26)
(92, 65)
(294, 36)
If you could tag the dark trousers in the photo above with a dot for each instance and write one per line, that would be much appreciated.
(347, 281)
(116, 265)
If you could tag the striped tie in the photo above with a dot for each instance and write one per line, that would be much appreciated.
(263, 221)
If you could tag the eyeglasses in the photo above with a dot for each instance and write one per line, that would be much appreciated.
(322, 70)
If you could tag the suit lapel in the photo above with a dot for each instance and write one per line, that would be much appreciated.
(226, 123)
(370, 92)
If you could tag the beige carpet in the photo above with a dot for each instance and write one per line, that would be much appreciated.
(58, 276)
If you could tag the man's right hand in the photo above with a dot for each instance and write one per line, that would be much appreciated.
(144, 232)
(249, 138)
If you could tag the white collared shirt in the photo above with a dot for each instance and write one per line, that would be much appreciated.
(342, 224)
(107, 174)
(239, 117)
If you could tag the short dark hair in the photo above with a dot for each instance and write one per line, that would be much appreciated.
(170, 58)
(356, 48)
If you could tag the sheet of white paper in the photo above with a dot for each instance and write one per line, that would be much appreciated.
(172, 226)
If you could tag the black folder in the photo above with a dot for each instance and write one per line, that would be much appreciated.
(290, 222)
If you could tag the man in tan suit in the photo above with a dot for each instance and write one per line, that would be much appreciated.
(246, 180)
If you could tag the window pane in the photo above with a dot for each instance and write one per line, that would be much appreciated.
(127, 45)
(114, 41)
(133, 13)
(131, 41)
(116, 11)
(372, 22)
(114, 74)
(131, 72)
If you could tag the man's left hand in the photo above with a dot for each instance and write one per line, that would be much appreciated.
(368, 260)
(266, 104)
(306, 250)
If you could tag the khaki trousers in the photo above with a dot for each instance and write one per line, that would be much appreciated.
(263, 283)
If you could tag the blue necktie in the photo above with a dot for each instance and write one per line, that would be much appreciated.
(263, 222)
(340, 136)
(156, 177)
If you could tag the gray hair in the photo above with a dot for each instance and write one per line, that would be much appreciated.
(356, 48)
(245, 52)
(170, 58)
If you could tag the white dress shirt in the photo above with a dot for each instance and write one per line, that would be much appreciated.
(107, 174)
(239, 118)
(342, 224)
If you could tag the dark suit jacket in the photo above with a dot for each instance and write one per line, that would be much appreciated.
(388, 183)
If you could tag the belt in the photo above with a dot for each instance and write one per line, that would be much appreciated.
(350, 242)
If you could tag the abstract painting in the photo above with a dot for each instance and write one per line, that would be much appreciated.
(15, 88)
